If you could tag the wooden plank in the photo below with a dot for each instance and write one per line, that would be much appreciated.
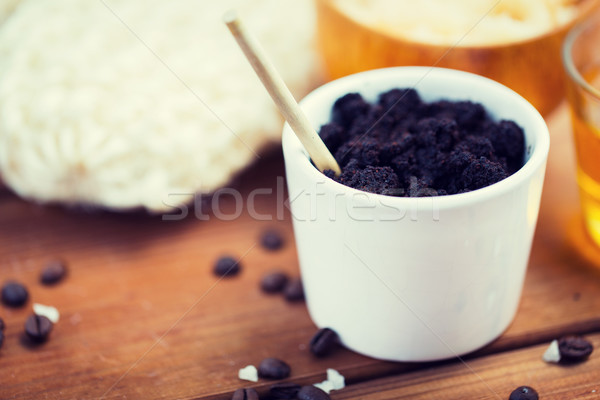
(143, 316)
(491, 377)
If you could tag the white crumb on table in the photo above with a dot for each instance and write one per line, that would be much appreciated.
(325, 386)
(248, 373)
(47, 311)
(552, 353)
(334, 381)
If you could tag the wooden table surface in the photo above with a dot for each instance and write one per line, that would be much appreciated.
(143, 317)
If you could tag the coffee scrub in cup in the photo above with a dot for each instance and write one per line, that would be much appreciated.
(418, 278)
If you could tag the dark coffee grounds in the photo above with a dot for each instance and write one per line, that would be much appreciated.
(402, 146)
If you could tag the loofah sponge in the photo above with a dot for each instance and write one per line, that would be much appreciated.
(140, 103)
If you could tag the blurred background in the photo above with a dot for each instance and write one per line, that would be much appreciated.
(131, 104)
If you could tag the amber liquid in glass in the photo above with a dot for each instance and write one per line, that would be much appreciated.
(587, 143)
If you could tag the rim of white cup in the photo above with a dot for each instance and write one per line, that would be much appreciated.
(296, 155)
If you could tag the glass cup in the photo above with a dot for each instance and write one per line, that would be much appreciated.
(581, 59)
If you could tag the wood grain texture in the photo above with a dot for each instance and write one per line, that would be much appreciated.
(491, 377)
(142, 315)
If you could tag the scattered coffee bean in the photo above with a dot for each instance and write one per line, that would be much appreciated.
(293, 290)
(272, 240)
(227, 266)
(284, 390)
(38, 327)
(524, 393)
(14, 294)
(323, 342)
(2, 325)
(312, 393)
(273, 368)
(245, 394)
(53, 272)
(274, 282)
(1, 338)
(574, 348)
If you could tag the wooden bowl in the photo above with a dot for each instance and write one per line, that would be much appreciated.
(531, 67)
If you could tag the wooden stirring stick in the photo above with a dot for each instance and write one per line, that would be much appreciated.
(281, 95)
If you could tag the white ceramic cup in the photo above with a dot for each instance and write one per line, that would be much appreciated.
(415, 279)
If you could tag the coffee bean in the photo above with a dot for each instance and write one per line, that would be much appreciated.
(226, 266)
(274, 282)
(1, 338)
(273, 368)
(53, 272)
(323, 342)
(14, 294)
(2, 325)
(574, 348)
(38, 327)
(284, 390)
(271, 240)
(312, 393)
(293, 290)
(245, 394)
(524, 393)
